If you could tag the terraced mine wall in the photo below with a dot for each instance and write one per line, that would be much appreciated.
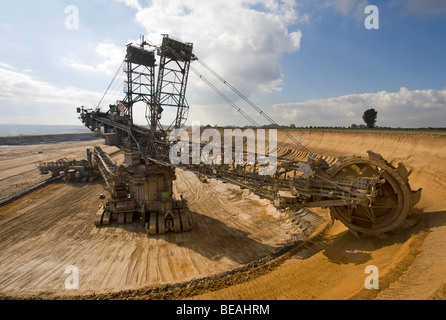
(423, 154)
(45, 138)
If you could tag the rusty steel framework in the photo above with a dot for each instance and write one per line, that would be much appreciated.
(367, 194)
(73, 169)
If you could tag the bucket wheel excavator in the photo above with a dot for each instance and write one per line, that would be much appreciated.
(142, 188)
(382, 195)
(366, 193)
(391, 201)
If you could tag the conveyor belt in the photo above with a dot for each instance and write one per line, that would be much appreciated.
(22, 193)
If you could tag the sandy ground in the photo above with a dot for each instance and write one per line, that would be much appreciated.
(411, 263)
(18, 169)
(52, 228)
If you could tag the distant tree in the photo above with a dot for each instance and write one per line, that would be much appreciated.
(354, 126)
(292, 126)
(369, 117)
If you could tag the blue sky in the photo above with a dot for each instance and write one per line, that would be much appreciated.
(340, 56)
(311, 63)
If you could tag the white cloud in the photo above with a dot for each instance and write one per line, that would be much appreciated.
(111, 57)
(6, 66)
(349, 8)
(419, 8)
(132, 4)
(23, 99)
(424, 7)
(343, 6)
(405, 108)
(241, 40)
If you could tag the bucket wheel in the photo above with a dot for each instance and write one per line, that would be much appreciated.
(393, 201)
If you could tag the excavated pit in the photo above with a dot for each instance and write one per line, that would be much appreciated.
(240, 246)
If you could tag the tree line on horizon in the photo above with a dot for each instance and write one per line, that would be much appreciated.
(369, 117)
